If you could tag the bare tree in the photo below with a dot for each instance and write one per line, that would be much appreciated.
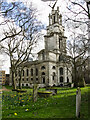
(76, 19)
(21, 35)
(77, 50)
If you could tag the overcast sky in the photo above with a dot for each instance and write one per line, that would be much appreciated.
(43, 10)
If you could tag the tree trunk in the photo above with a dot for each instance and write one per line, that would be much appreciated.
(12, 79)
(20, 77)
(14, 82)
(75, 75)
(20, 87)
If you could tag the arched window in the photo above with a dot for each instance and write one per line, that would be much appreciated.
(36, 72)
(23, 72)
(67, 80)
(61, 79)
(36, 79)
(43, 67)
(27, 72)
(61, 57)
(54, 19)
(53, 77)
(59, 42)
(43, 80)
(31, 72)
(53, 67)
(43, 73)
(67, 71)
(61, 71)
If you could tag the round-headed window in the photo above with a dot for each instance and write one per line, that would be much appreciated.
(61, 79)
(61, 71)
(43, 73)
(43, 67)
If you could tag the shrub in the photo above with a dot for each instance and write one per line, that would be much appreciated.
(81, 83)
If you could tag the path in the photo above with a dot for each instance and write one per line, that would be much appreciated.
(4, 89)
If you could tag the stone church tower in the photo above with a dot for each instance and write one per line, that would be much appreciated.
(51, 68)
(55, 39)
(55, 49)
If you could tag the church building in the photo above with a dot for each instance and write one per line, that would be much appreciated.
(50, 69)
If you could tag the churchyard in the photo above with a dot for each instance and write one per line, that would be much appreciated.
(61, 105)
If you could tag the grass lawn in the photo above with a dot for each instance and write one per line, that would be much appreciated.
(62, 105)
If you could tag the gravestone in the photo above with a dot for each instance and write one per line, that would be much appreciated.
(72, 85)
(35, 92)
(78, 102)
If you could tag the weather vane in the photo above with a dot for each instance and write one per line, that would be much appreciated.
(50, 3)
(53, 4)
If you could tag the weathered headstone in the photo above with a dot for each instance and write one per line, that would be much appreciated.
(72, 85)
(35, 92)
(78, 102)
